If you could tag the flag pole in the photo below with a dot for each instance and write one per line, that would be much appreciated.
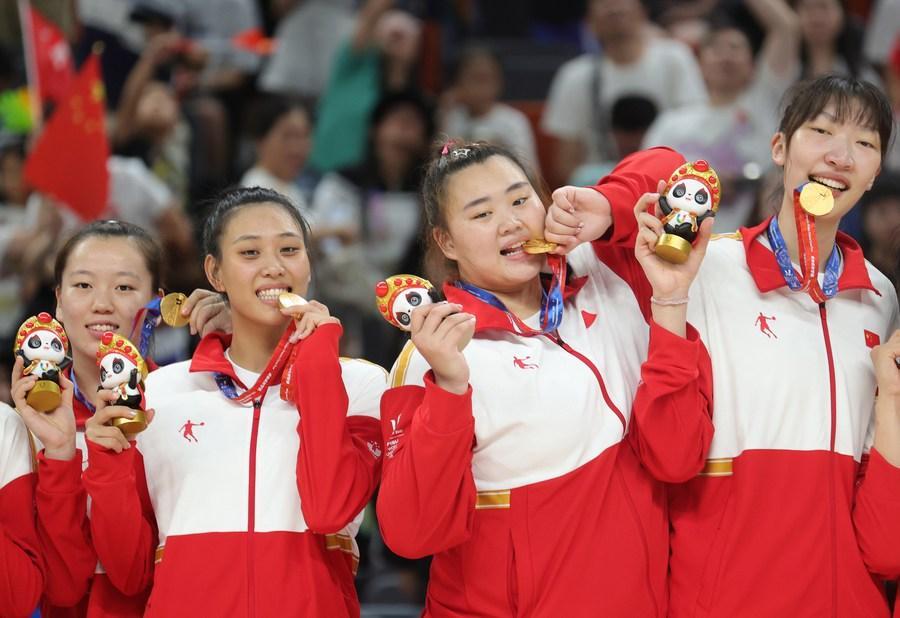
(34, 91)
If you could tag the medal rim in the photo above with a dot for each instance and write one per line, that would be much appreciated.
(169, 305)
(814, 202)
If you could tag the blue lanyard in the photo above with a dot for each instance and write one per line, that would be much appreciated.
(76, 392)
(551, 304)
(779, 247)
(226, 385)
(150, 322)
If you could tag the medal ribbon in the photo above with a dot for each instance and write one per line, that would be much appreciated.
(809, 258)
(551, 299)
(148, 318)
(76, 392)
(280, 364)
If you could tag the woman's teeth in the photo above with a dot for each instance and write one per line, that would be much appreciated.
(831, 184)
(102, 328)
(271, 294)
(512, 250)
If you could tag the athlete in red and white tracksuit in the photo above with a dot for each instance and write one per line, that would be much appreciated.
(535, 490)
(254, 514)
(77, 584)
(794, 511)
(21, 565)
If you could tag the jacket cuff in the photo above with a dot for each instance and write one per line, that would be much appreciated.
(675, 351)
(446, 412)
(108, 466)
(882, 478)
(59, 477)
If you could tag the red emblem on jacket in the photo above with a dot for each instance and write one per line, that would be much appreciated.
(872, 339)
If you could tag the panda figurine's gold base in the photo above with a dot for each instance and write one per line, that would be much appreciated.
(672, 248)
(44, 396)
(135, 424)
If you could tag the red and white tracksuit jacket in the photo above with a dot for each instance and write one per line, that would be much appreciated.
(77, 584)
(21, 564)
(525, 488)
(793, 511)
(246, 510)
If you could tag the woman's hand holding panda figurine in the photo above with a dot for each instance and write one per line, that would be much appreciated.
(670, 282)
(98, 429)
(440, 331)
(56, 428)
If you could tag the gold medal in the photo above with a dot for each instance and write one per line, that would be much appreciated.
(816, 199)
(289, 299)
(538, 245)
(170, 309)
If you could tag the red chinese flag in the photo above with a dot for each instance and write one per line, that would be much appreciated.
(68, 161)
(872, 339)
(52, 57)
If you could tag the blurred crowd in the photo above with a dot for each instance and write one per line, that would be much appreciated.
(340, 102)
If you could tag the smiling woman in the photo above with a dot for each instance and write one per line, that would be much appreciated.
(805, 460)
(238, 504)
(530, 462)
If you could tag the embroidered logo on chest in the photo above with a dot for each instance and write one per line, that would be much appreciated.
(763, 322)
(187, 430)
(522, 363)
(374, 448)
(588, 318)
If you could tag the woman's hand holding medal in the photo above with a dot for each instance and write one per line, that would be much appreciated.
(307, 315)
(439, 332)
(576, 215)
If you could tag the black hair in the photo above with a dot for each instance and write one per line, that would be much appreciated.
(853, 100)
(135, 234)
(632, 113)
(473, 52)
(228, 202)
(404, 98)
(270, 109)
(452, 158)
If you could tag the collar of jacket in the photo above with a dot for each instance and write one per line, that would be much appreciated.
(488, 317)
(767, 276)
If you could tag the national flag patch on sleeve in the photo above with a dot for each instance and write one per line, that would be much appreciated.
(872, 339)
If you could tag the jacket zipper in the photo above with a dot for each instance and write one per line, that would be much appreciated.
(634, 512)
(565, 346)
(831, 480)
(251, 513)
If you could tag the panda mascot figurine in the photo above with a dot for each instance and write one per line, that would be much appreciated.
(123, 370)
(692, 195)
(42, 343)
(399, 295)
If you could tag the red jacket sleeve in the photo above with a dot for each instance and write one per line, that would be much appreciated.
(671, 423)
(64, 530)
(339, 461)
(426, 503)
(635, 175)
(123, 528)
(876, 515)
(21, 566)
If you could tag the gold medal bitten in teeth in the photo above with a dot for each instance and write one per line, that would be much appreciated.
(816, 199)
(289, 299)
(538, 245)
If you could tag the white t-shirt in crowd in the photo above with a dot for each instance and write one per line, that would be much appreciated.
(735, 138)
(136, 195)
(257, 176)
(502, 125)
(667, 73)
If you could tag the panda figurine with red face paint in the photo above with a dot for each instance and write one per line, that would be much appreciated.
(42, 343)
(399, 295)
(692, 195)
